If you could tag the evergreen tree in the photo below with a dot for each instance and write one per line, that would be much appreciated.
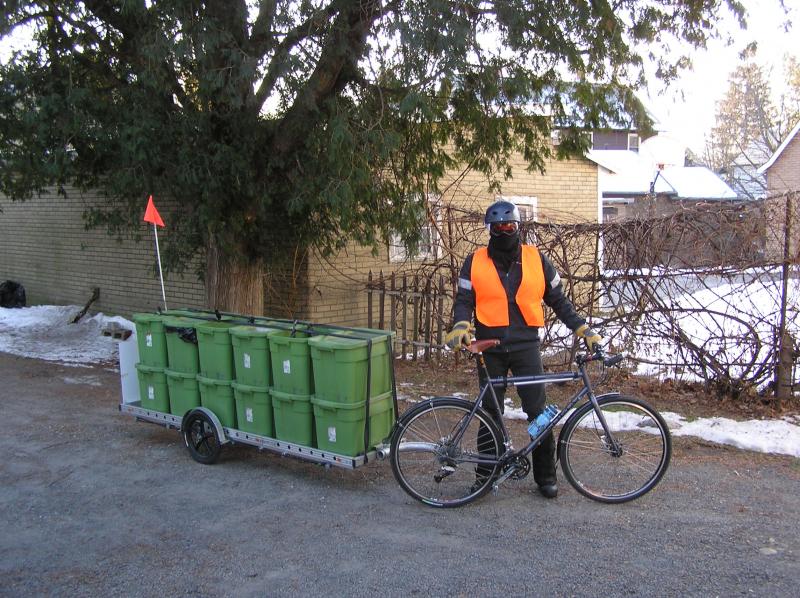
(750, 125)
(278, 124)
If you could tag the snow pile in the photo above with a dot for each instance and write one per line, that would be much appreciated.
(44, 332)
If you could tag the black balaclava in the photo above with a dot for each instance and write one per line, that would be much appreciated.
(504, 249)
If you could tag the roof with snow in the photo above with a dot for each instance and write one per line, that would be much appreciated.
(780, 149)
(627, 174)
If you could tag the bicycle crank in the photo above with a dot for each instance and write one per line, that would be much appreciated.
(521, 468)
(515, 469)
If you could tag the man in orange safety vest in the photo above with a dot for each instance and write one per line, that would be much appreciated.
(503, 286)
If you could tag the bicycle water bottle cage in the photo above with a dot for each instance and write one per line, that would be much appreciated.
(480, 346)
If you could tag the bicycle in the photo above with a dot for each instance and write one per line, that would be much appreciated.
(612, 448)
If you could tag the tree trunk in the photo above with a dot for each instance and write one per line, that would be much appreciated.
(232, 284)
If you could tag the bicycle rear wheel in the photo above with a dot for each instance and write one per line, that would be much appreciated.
(607, 474)
(433, 469)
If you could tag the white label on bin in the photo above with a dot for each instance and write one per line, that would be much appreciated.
(331, 434)
(247, 360)
(287, 367)
(148, 340)
(248, 414)
(151, 393)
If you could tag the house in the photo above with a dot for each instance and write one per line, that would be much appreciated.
(783, 186)
(651, 192)
(743, 174)
(782, 169)
(653, 181)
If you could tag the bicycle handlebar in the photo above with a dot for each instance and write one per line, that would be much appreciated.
(600, 355)
(476, 347)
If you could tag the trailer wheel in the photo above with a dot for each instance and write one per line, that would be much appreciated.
(201, 439)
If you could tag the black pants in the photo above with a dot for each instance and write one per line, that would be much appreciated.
(526, 362)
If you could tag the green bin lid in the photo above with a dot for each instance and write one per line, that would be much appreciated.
(212, 381)
(213, 326)
(337, 404)
(336, 342)
(184, 375)
(180, 322)
(287, 396)
(146, 318)
(250, 331)
(284, 337)
(248, 388)
(143, 367)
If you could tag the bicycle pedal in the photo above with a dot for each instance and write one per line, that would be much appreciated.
(495, 489)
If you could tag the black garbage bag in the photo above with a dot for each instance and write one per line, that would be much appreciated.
(12, 294)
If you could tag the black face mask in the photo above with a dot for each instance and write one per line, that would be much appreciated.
(504, 243)
(503, 250)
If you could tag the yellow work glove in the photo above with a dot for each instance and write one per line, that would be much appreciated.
(459, 335)
(589, 336)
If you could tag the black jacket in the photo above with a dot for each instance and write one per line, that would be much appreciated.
(517, 335)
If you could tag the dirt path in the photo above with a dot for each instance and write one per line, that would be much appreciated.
(93, 503)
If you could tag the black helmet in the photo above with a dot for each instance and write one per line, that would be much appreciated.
(502, 211)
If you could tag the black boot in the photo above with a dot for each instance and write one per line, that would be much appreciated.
(544, 467)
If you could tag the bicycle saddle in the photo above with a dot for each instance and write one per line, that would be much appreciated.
(481, 346)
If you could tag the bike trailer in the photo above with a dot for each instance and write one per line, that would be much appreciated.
(321, 393)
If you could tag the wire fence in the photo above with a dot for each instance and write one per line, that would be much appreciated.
(694, 291)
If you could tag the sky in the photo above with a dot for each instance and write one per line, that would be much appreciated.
(686, 108)
(44, 332)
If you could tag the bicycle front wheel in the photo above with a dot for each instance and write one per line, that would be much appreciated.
(434, 468)
(621, 467)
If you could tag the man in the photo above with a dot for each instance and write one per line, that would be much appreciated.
(504, 285)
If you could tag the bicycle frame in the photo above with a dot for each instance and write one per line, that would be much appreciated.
(508, 381)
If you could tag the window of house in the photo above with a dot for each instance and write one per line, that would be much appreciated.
(610, 213)
(428, 248)
(527, 205)
(633, 142)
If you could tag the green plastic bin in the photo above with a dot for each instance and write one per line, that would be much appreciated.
(182, 352)
(340, 426)
(150, 339)
(253, 409)
(290, 359)
(215, 350)
(184, 393)
(251, 355)
(153, 389)
(340, 367)
(217, 395)
(293, 417)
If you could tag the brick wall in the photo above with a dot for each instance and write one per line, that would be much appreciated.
(782, 177)
(784, 174)
(45, 246)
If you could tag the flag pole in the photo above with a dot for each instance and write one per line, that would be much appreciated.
(151, 215)
(160, 273)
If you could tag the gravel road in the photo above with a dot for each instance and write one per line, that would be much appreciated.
(93, 503)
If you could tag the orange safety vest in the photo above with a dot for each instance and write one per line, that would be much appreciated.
(491, 300)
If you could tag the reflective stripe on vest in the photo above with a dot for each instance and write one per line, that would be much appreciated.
(491, 301)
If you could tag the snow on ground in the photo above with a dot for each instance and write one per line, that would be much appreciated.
(733, 317)
(44, 332)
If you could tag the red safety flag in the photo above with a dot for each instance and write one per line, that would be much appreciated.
(151, 214)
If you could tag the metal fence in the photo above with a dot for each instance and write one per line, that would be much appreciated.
(647, 281)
